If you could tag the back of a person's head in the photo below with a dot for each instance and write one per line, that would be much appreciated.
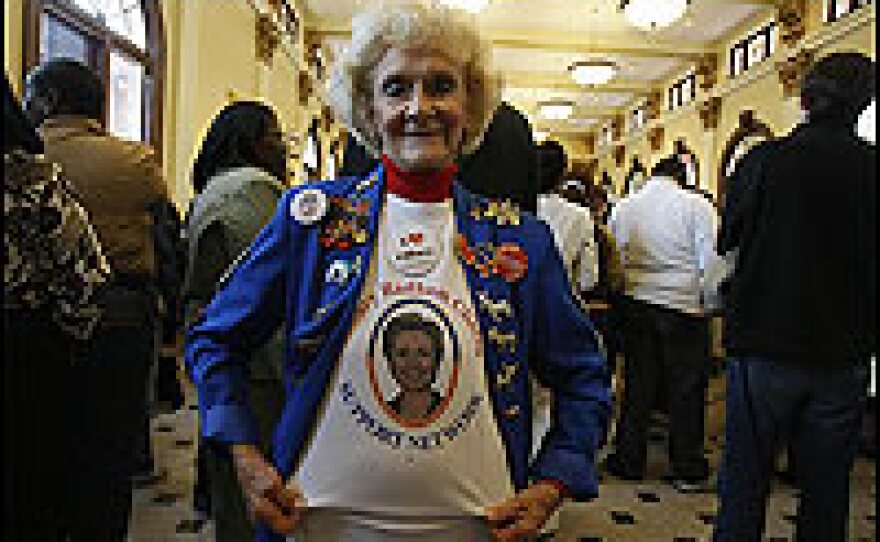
(65, 87)
(18, 133)
(234, 141)
(839, 85)
(671, 167)
(552, 163)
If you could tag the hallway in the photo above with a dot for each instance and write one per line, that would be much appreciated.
(624, 512)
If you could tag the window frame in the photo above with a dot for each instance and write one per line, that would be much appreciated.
(638, 117)
(738, 58)
(830, 14)
(101, 40)
(676, 94)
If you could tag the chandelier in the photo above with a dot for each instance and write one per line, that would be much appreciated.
(471, 6)
(556, 109)
(593, 72)
(653, 14)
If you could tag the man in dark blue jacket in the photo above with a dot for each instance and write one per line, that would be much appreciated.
(800, 324)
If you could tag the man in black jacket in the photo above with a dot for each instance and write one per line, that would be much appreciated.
(800, 305)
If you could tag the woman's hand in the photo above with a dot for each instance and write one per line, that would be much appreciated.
(523, 515)
(267, 497)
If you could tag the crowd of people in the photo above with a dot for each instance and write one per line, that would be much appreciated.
(366, 351)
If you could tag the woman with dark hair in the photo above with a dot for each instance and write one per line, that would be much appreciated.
(243, 134)
(238, 178)
(53, 266)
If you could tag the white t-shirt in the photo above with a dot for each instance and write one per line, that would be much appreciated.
(407, 447)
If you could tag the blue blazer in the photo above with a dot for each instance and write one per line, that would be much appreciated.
(281, 281)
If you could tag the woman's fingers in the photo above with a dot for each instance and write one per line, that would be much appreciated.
(268, 512)
(504, 512)
(269, 500)
(289, 497)
(521, 517)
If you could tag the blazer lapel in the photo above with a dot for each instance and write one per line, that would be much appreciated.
(354, 260)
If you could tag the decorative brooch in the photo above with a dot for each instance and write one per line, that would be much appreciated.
(503, 212)
(508, 261)
(503, 341)
(497, 310)
(348, 224)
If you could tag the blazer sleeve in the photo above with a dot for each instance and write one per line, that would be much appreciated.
(247, 308)
(567, 357)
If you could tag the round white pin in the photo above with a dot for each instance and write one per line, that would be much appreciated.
(309, 206)
(338, 272)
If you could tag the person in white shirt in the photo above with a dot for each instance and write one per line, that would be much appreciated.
(572, 224)
(666, 237)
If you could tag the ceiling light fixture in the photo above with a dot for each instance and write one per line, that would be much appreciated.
(556, 110)
(593, 72)
(653, 14)
(471, 6)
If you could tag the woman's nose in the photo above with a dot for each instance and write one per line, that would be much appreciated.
(419, 102)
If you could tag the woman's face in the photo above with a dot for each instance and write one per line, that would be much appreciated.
(418, 108)
(412, 360)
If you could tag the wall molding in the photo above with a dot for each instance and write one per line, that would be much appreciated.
(816, 41)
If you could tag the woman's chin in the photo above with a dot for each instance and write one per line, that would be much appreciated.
(425, 162)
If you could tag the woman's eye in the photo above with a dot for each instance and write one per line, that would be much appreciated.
(393, 88)
(441, 84)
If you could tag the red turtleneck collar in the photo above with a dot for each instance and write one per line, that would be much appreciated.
(420, 187)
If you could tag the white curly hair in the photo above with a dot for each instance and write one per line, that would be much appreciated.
(411, 25)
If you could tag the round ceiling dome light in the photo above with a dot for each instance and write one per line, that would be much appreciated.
(593, 72)
(471, 6)
(556, 110)
(653, 14)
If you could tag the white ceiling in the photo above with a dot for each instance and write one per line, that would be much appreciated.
(534, 42)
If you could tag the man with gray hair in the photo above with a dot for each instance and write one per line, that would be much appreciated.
(800, 307)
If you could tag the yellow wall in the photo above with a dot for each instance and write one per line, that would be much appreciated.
(13, 18)
(210, 53)
(764, 95)
(206, 72)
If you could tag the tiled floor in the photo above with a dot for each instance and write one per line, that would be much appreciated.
(649, 511)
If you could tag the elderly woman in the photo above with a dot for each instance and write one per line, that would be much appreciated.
(342, 260)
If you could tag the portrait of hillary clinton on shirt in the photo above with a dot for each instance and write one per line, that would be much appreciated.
(413, 347)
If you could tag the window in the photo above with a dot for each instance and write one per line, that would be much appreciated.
(312, 153)
(607, 136)
(638, 118)
(754, 48)
(835, 9)
(121, 41)
(683, 92)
